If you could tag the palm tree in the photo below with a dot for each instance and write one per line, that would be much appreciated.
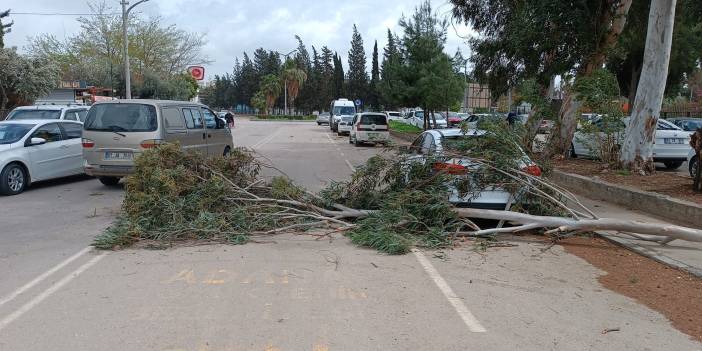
(294, 78)
(270, 87)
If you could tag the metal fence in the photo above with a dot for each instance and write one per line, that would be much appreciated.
(682, 110)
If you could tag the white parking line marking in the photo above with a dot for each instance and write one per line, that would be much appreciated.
(471, 322)
(266, 140)
(42, 276)
(353, 169)
(48, 292)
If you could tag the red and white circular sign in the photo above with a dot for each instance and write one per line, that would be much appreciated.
(198, 72)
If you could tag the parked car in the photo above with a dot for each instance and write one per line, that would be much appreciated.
(344, 125)
(393, 115)
(323, 118)
(432, 144)
(416, 118)
(692, 162)
(60, 112)
(687, 124)
(117, 132)
(369, 128)
(34, 150)
(671, 146)
(453, 119)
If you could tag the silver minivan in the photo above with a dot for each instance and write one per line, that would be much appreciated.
(116, 132)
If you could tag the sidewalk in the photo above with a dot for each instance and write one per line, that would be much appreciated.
(678, 253)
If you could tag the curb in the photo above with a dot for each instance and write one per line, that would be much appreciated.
(676, 210)
(668, 261)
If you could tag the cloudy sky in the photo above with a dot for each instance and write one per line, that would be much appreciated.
(235, 26)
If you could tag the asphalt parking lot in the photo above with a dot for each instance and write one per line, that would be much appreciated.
(293, 292)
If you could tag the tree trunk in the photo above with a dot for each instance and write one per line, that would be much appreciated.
(633, 84)
(433, 119)
(568, 114)
(637, 149)
(696, 143)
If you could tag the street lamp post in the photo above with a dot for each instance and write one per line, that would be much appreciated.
(285, 88)
(125, 19)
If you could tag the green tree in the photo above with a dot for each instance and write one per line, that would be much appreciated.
(293, 78)
(357, 75)
(391, 83)
(373, 91)
(626, 60)
(429, 79)
(339, 83)
(4, 28)
(24, 79)
(541, 39)
(271, 88)
(258, 101)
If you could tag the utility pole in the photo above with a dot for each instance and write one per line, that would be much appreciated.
(125, 19)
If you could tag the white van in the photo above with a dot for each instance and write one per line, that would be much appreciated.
(369, 128)
(341, 110)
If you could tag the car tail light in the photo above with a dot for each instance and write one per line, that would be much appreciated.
(450, 168)
(533, 170)
(150, 143)
(87, 143)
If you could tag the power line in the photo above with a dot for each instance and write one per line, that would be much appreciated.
(62, 14)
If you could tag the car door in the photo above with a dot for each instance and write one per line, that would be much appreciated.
(196, 136)
(218, 137)
(48, 160)
(72, 133)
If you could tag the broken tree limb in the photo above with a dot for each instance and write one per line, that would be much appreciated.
(563, 224)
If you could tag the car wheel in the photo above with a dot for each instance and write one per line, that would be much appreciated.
(693, 166)
(109, 181)
(350, 140)
(572, 151)
(673, 164)
(13, 180)
(356, 143)
(319, 124)
(227, 151)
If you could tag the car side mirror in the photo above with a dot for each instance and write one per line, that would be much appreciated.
(37, 141)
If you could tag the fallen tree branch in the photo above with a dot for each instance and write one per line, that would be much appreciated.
(564, 224)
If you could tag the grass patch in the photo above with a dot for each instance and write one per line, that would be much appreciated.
(403, 127)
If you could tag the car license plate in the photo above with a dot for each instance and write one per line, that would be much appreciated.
(673, 141)
(118, 155)
(373, 136)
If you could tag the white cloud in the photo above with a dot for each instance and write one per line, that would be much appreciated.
(235, 26)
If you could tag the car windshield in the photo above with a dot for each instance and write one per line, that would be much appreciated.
(374, 119)
(692, 125)
(13, 132)
(122, 118)
(665, 125)
(34, 114)
(344, 110)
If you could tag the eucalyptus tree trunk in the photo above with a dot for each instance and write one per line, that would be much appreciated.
(637, 149)
(568, 115)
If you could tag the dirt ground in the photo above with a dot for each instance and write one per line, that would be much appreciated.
(673, 184)
(675, 294)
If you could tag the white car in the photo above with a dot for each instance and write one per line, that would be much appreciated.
(393, 115)
(692, 162)
(34, 150)
(60, 112)
(369, 128)
(671, 145)
(416, 118)
(433, 143)
(344, 125)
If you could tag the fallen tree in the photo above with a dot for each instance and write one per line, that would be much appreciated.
(392, 203)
